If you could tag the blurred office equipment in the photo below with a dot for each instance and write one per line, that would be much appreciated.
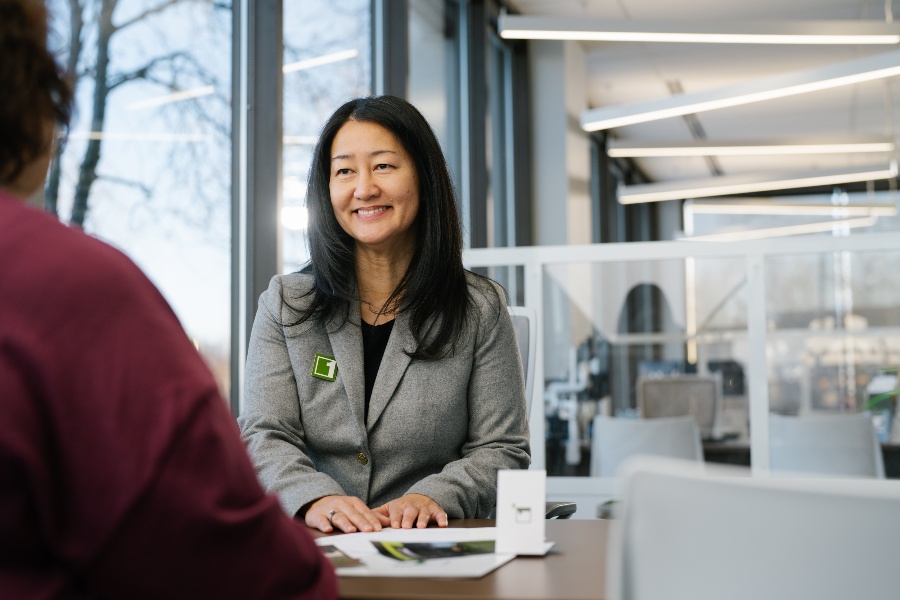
(705, 534)
(882, 403)
(561, 401)
(732, 376)
(694, 395)
(837, 445)
(617, 439)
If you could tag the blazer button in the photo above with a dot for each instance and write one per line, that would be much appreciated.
(363, 460)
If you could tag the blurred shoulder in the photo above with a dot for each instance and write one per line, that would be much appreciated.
(51, 260)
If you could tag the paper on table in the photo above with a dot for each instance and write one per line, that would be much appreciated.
(359, 546)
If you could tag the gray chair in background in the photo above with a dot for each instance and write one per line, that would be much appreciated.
(831, 445)
(524, 324)
(617, 439)
(689, 533)
(676, 396)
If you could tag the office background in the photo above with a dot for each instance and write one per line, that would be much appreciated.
(196, 120)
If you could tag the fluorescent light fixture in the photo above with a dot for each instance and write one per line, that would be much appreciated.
(768, 88)
(128, 136)
(294, 218)
(173, 97)
(714, 32)
(758, 234)
(318, 61)
(763, 206)
(636, 149)
(749, 183)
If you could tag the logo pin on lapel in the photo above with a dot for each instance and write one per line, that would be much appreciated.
(325, 367)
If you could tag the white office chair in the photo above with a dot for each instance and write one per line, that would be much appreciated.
(617, 439)
(689, 532)
(525, 325)
(836, 445)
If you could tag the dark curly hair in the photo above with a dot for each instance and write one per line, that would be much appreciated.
(434, 289)
(35, 91)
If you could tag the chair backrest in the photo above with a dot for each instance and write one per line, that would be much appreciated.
(676, 396)
(688, 532)
(617, 439)
(525, 324)
(838, 445)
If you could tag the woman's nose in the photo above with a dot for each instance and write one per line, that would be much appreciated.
(365, 186)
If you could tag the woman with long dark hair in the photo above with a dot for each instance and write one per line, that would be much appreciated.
(384, 386)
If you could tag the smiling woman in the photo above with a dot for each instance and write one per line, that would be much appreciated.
(374, 191)
(425, 400)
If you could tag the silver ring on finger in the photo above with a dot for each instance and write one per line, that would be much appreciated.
(331, 514)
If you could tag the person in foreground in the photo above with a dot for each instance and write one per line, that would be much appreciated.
(383, 383)
(122, 473)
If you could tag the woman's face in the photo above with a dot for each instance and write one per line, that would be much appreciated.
(374, 187)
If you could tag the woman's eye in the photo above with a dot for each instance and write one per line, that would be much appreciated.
(382, 167)
(342, 172)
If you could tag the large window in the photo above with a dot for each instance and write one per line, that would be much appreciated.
(327, 49)
(146, 165)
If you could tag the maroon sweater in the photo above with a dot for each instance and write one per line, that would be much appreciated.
(122, 474)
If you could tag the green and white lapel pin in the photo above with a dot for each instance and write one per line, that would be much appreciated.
(325, 367)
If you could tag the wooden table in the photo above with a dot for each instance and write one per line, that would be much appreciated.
(574, 570)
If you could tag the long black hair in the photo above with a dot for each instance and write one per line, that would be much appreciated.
(433, 290)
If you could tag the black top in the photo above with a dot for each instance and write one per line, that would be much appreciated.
(375, 339)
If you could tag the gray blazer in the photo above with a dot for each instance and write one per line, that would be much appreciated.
(439, 428)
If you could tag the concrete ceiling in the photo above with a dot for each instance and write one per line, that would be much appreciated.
(623, 72)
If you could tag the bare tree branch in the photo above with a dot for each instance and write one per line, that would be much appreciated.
(150, 11)
(146, 190)
(144, 71)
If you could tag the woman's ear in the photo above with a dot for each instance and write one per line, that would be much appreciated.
(29, 185)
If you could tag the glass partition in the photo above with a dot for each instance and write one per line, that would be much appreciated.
(796, 326)
(834, 327)
(612, 327)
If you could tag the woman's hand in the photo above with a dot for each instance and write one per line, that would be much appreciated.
(411, 510)
(344, 513)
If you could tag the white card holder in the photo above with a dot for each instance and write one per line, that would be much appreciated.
(521, 501)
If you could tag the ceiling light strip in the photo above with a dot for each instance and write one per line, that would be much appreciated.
(750, 183)
(758, 234)
(533, 27)
(318, 61)
(181, 96)
(136, 136)
(763, 207)
(855, 71)
(620, 149)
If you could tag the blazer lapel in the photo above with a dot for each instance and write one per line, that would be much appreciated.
(346, 342)
(392, 368)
